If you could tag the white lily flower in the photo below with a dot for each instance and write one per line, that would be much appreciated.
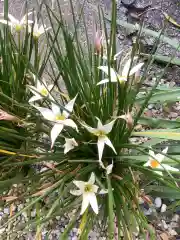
(40, 91)
(70, 143)
(101, 132)
(155, 162)
(88, 191)
(38, 31)
(59, 117)
(115, 77)
(16, 24)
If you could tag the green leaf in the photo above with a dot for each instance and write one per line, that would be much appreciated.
(162, 191)
(173, 134)
(168, 96)
(159, 122)
(164, 59)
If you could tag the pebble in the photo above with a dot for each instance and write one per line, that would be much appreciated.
(127, 2)
(175, 218)
(158, 202)
(150, 106)
(163, 208)
(173, 115)
(6, 210)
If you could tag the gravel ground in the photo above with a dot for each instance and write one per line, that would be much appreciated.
(154, 20)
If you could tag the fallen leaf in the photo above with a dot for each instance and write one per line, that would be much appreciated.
(164, 236)
(8, 198)
(171, 20)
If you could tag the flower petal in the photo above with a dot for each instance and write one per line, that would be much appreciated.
(93, 202)
(109, 169)
(85, 203)
(88, 128)
(76, 192)
(108, 142)
(35, 98)
(127, 67)
(80, 185)
(113, 74)
(70, 143)
(106, 80)
(92, 178)
(55, 108)
(99, 124)
(108, 127)
(147, 164)
(69, 107)
(136, 68)
(47, 113)
(103, 191)
(169, 168)
(13, 19)
(55, 131)
(95, 188)
(100, 145)
(165, 150)
(70, 123)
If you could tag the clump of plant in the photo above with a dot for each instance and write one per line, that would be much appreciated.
(90, 115)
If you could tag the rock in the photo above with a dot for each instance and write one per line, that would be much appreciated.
(172, 232)
(128, 3)
(6, 210)
(164, 225)
(175, 218)
(150, 106)
(163, 208)
(158, 202)
(173, 115)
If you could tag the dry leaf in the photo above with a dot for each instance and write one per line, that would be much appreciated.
(164, 236)
(171, 20)
(8, 198)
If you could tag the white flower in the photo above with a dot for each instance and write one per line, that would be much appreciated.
(101, 132)
(88, 191)
(70, 144)
(155, 162)
(60, 118)
(40, 91)
(115, 77)
(16, 24)
(38, 31)
(108, 169)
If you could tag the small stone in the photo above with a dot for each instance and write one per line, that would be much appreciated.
(172, 232)
(58, 217)
(20, 206)
(127, 2)
(164, 225)
(173, 115)
(6, 210)
(150, 106)
(163, 208)
(158, 202)
(175, 218)
(33, 213)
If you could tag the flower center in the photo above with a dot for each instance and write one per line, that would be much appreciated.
(44, 92)
(88, 188)
(100, 133)
(18, 27)
(154, 163)
(60, 117)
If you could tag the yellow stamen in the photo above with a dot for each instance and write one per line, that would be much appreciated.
(100, 133)
(88, 188)
(18, 28)
(60, 117)
(44, 92)
(154, 163)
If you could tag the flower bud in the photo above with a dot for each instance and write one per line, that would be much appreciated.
(98, 42)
